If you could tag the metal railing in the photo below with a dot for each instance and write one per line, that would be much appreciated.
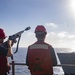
(13, 66)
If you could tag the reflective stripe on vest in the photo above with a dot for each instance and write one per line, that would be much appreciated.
(37, 46)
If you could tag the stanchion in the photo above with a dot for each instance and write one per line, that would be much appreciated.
(13, 68)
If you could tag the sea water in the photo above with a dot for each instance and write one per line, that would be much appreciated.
(20, 57)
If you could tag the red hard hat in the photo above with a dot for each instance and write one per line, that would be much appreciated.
(40, 28)
(2, 34)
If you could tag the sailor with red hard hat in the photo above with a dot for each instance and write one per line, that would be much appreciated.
(41, 56)
(4, 53)
(40, 28)
(2, 34)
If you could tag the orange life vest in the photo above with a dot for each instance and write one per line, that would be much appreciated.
(39, 59)
(3, 65)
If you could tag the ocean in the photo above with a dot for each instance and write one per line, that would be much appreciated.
(20, 57)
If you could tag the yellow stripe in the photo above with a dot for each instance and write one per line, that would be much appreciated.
(39, 46)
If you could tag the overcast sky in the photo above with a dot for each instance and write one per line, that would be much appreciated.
(58, 16)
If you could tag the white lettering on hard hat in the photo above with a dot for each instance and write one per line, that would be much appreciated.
(39, 46)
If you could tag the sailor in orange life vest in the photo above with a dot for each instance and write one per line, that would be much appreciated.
(41, 57)
(4, 53)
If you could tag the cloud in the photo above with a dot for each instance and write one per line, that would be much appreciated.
(61, 39)
(62, 34)
(56, 39)
(30, 34)
(51, 25)
(51, 34)
(71, 36)
(59, 35)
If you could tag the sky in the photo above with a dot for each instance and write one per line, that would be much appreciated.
(58, 17)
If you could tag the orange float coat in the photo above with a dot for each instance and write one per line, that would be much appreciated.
(39, 59)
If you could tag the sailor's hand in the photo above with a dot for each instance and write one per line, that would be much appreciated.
(10, 43)
(8, 68)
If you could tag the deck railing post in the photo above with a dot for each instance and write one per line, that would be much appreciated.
(13, 68)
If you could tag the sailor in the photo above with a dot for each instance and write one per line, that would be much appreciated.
(41, 57)
(4, 53)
